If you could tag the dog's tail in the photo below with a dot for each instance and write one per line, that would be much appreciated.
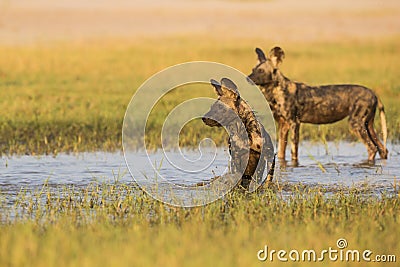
(383, 121)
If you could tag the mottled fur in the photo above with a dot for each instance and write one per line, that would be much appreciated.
(247, 137)
(293, 103)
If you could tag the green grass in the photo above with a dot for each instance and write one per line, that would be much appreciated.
(117, 225)
(71, 97)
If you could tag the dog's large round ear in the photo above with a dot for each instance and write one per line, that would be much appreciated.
(276, 55)
(231, 86)
(217, 87)
(260, 55)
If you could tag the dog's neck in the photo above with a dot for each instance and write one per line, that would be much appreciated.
(278, 81)
(253, 127)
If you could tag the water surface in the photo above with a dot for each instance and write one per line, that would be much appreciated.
(332, 164)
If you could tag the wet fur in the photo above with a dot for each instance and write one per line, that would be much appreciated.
(293, 103)
(223, 112)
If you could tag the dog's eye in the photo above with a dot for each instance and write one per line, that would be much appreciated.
(260, 70)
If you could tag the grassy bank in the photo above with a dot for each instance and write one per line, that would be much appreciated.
(72, 96)
(116, 225)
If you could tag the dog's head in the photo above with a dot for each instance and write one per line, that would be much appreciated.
(265, 71)
(225, 110)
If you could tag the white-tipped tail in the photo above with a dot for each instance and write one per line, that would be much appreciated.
(383, 121)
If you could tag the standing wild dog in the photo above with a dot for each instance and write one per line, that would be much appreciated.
(293, 103)
(248, 141)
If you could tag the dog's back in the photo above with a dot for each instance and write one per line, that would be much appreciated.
(330, 103)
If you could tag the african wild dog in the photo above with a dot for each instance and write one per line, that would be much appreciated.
(247, 137)
(293, 103)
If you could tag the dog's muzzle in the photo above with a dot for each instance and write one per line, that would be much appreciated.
(250, 81)
(210, 122)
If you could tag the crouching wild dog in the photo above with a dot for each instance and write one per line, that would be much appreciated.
(248, 141)
(293, 103)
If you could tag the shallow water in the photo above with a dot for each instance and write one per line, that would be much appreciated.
(332, 165)
(343, 163)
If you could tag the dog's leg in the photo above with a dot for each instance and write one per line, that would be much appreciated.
(383, 153)
(294, 139)
(361, 130)
(283, 135)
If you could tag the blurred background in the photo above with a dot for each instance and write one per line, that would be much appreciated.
(25, 21)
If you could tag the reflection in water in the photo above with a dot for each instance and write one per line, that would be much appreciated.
(333, 164)
(342, 164)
